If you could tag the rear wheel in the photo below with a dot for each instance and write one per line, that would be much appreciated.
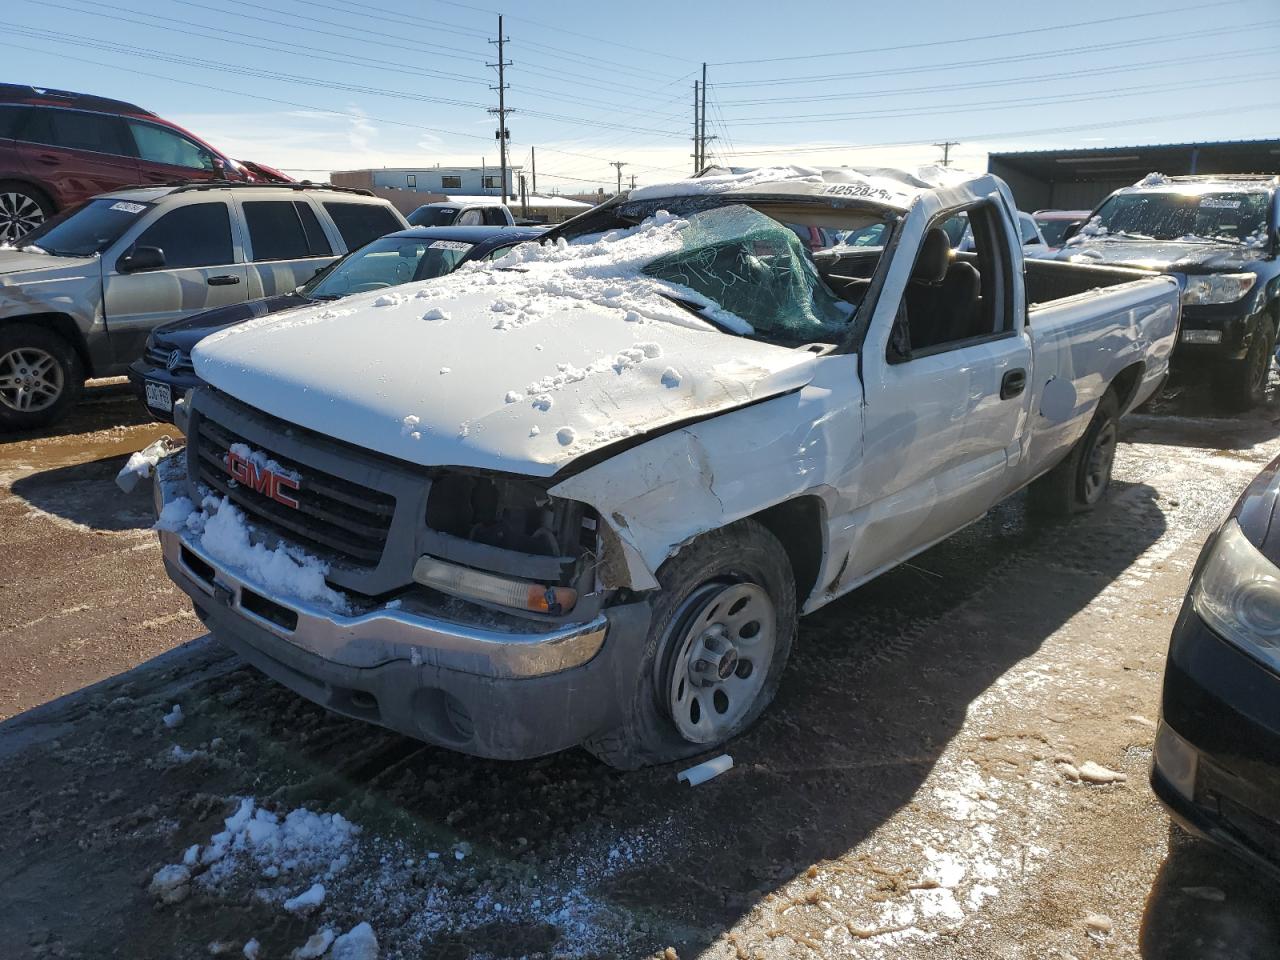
(719, 637)
(1080, 481)
(40, 376)
(22, 209)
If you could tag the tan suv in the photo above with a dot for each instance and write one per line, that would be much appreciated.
(81, 292)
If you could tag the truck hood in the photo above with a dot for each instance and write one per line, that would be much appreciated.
(1165, 256)
(456, 377)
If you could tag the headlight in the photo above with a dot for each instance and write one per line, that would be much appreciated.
(1218, 288)
(1238, 595)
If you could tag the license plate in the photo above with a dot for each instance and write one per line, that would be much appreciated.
(159, 396)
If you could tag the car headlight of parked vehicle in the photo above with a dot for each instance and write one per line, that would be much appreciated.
(1218, 288)
(1238, 595)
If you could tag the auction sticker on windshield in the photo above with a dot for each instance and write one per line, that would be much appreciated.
(449, 245)
(159, 395)
(124, 206)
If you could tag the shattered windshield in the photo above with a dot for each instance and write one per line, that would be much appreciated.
(755, 268)
(1233, 217)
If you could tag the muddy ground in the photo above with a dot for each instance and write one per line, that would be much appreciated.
(908, 795)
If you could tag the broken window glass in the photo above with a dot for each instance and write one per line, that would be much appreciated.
(754, 267)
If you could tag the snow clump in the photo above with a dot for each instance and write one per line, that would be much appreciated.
(307, 901)
(358, 943)
(173, 717)
(435, 313)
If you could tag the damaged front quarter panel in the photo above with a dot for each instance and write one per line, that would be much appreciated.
(657, 496)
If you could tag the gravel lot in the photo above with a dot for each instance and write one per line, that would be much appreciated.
(909, 794)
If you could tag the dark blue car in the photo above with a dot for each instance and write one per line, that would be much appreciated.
(165, 373)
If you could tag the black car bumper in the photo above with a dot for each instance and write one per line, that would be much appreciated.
(1217, 332)
(1217, 758)
(140, 373)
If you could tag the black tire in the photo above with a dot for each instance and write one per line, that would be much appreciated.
(1080, 481)
(742, 553)
(19, 344)
(22, 209)
(1243, 383)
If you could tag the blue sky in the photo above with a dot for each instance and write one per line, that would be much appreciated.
(317, 85)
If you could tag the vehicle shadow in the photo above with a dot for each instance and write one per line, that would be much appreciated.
(86, 493)
(1207, 904)
(879, 685)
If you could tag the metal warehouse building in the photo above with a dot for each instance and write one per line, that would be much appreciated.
(1080, 179)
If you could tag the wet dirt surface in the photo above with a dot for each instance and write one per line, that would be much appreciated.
(908, 794)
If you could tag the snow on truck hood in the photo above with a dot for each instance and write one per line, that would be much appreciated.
(521, 365)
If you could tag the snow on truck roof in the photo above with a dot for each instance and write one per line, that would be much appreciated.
(895, 188)
(1237, 183)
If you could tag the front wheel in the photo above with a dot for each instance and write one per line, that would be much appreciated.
(719, 637)
(1079, 482)
(1243, 383)
(40, 376)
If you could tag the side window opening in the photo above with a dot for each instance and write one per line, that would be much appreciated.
(953, 297)
(195, 235)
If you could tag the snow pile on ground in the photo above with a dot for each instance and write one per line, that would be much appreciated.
(358, 943)
(299, 844)
(173, 717)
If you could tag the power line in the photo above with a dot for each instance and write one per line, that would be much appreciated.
(1162, 13)
(293, 48)
(932, 88)
(559, 29)
(1013, 58)
(1042, 131)
(1015, 103)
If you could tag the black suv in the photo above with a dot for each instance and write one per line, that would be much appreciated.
(1219, 235)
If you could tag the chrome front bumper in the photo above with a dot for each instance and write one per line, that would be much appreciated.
(407, 632)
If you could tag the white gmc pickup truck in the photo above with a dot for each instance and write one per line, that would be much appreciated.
(581, 494)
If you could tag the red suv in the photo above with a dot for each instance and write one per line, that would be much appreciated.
(59, 148)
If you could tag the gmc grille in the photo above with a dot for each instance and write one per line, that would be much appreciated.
(335, 517)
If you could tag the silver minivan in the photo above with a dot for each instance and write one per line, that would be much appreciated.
(79, 295)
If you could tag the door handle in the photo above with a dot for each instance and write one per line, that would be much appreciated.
(48, 159)
(226, 280)
(1012, 384)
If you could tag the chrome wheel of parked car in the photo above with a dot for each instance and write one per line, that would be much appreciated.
(31, 380)
(728, 637)
(20, 213)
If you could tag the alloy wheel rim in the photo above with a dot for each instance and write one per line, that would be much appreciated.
(30, 380)
(722, 657)
(1098, 467)
(19, 215)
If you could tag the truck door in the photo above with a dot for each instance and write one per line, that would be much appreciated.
(945, 384)
(198, 270)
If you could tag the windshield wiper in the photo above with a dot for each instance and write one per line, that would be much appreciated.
(697, 310)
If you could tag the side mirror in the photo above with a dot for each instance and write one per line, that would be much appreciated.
(141, 258)
(1072, 229)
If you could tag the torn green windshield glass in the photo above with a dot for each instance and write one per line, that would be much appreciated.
(753, 267)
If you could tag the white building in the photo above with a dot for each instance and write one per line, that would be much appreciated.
(483, 180)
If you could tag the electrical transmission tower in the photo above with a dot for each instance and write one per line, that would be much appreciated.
(503, 134)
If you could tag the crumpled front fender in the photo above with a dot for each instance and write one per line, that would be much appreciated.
(659, 495)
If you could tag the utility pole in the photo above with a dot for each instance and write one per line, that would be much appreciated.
(697, 133)
(702, 139)
(633, 181)
(619, 164)
(945, 147)
(524, 197)
(533, 159)
(503, 134)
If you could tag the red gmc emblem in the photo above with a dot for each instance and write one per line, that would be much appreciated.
(264, 481)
